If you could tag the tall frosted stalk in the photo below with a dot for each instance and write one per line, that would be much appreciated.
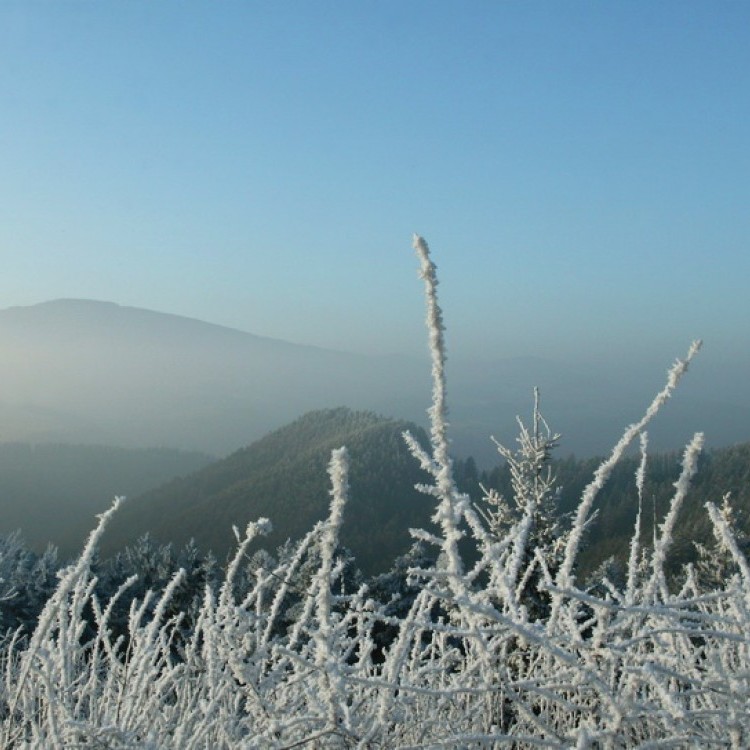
(682, 485)
(635, 541)
(448, 513)
(324, 635)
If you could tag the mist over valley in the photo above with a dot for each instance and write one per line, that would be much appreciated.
(80, 371)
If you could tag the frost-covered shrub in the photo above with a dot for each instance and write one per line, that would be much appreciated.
(509, 650)
(26, 582)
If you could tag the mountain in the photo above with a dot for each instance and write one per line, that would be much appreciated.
(96, 372)
(80, 371)
(283, 477)
(51, 493)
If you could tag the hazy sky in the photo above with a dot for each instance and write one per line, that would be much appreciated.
(580, 169)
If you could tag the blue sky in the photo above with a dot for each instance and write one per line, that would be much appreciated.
(580, 169)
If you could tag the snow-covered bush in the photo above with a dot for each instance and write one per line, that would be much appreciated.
(509, 650)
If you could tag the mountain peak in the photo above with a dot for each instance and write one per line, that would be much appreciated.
(67, 317)
(73, 302)
(100, 371)
(70, 317)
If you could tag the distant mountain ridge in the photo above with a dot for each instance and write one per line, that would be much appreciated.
(100, 316)
(97, 372)
(83, 371)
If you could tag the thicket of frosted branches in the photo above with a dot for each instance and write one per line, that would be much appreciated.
(509, 650)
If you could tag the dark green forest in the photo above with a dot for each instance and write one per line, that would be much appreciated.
(721, 471)
(51, 493)
(283, 477)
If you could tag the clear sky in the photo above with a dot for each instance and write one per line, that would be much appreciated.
(580, 169)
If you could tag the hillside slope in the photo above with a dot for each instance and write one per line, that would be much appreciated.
(52, 493)
(721, 471)
(283, 477)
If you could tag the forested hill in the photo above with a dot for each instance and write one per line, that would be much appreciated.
(721, 471)
(51, 493)
(283, 477)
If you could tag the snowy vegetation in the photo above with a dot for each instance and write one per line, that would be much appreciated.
(510, 650)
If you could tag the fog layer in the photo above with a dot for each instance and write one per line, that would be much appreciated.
(96, 372)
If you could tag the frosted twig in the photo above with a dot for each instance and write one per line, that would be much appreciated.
(565, 576)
